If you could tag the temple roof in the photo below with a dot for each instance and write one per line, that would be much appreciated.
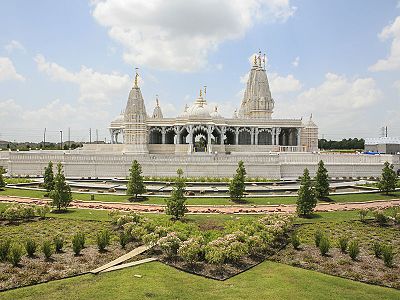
(157, 113)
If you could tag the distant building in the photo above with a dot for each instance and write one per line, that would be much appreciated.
(387, 145)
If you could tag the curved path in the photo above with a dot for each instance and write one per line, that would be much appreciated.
(216, 209)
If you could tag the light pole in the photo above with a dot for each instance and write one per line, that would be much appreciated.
(44, 139)
(61, 143)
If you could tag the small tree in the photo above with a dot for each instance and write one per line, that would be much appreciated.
(135, 183)
(306, 200)
(237, 186)
(387, 182)
(176, 206)
(2, 182)
(48, 178)
(321, 181)
(61, 194)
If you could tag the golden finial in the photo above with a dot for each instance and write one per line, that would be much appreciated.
(255, 59)
(157, 103)
(205, 91)
(136, 77)
(201, 93)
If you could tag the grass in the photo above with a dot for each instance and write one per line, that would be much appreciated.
(205, 201)
(268, 280)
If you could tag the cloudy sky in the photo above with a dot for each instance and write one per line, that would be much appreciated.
(69, 64)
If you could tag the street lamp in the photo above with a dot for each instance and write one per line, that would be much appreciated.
(61, 143)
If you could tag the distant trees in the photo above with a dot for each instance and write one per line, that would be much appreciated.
(306, 200)
(237, 185)
(321, 181)
(343, 144)
(2, 182)
(176, 204)
(61, 193)
(387, 181)
(135, 183)
(48, 178)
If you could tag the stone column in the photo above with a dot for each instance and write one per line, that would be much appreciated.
(252, 136)
(190, 134)
(178, 134)
(222, 132)
(256, 136)
(236, 135)
(277, 132)
(112, 136)
(162, 135)
(299, 137)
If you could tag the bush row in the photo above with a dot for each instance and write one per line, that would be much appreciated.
(17, 212)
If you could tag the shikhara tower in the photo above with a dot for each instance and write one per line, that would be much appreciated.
(135, 130)
(201, 128)
(257, 101)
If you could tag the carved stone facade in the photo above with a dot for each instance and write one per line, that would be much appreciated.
(201, 129)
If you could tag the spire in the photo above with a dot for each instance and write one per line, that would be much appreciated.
(205, 91)
(157, 113)
(257, 102)
(136, 78)
(201, 93)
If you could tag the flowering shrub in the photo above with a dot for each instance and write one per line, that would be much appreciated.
(380, 217)
(190, 250)
(170, 243)
(150, 239)
(122, 220)
(17, 211)
(256, 245)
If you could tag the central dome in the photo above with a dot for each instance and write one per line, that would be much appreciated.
(199, 109)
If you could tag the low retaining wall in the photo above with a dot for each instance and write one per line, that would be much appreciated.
(269, 165)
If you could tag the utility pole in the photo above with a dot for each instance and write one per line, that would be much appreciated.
(61, 143)
(90, 135)
(44, 138)
(69, 138)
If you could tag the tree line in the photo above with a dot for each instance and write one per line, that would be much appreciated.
(350, 144)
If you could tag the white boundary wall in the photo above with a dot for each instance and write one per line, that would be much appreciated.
(268, 165)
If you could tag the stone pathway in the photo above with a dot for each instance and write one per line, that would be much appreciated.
(121, 259)
(210, 209)
(131, 264)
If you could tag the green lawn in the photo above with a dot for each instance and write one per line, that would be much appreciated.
(268, 280)
(205, 201)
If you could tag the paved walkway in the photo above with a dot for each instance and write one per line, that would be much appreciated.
(216, 209)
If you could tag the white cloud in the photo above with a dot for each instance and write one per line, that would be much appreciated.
(14, 45)
(280, 84)
(7, 70)
(392, 62)
(296, 62)
(94, 87)
(179, 34)
(339, 104)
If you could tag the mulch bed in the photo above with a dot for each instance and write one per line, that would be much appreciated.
(60, 265)
(366, 268)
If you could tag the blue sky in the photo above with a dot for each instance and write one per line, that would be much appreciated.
(70, 63)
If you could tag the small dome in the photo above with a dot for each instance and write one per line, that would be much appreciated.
(215, 113)
(119, 119)
(310, 123)
(157, 113)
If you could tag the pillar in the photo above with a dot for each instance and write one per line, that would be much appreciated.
(162, 135)
(277, 132)
(256, 136)
(299, 137)
(236, 135)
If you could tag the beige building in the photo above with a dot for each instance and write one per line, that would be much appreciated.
(201, 128)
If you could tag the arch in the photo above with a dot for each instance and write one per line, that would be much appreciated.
(264, 137)
(200, 138)
(170, 135)
(155, 136)
(230, 134)
(244, 136)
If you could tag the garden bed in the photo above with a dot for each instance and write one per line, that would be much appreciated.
(365, 268)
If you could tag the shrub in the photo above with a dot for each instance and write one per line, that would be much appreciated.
(343, 242)
(190, 250)
(318, 236)
(363, 214)
(42, 211)
(388, 255)
(13, 213)
(380, 217)
(295, 240)
(324, 245)
(103, 239)
(170, 243)
(47, 249)
(255, 245)
(30, 247)
(214, 254)
(4, 249)
(123, 239)
(58, 243)
(78, 242)
(15, 254)
(151, 238)
(377, 247)
(354, 250)
(27, 212)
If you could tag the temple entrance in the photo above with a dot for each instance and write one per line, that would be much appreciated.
(200, 140)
